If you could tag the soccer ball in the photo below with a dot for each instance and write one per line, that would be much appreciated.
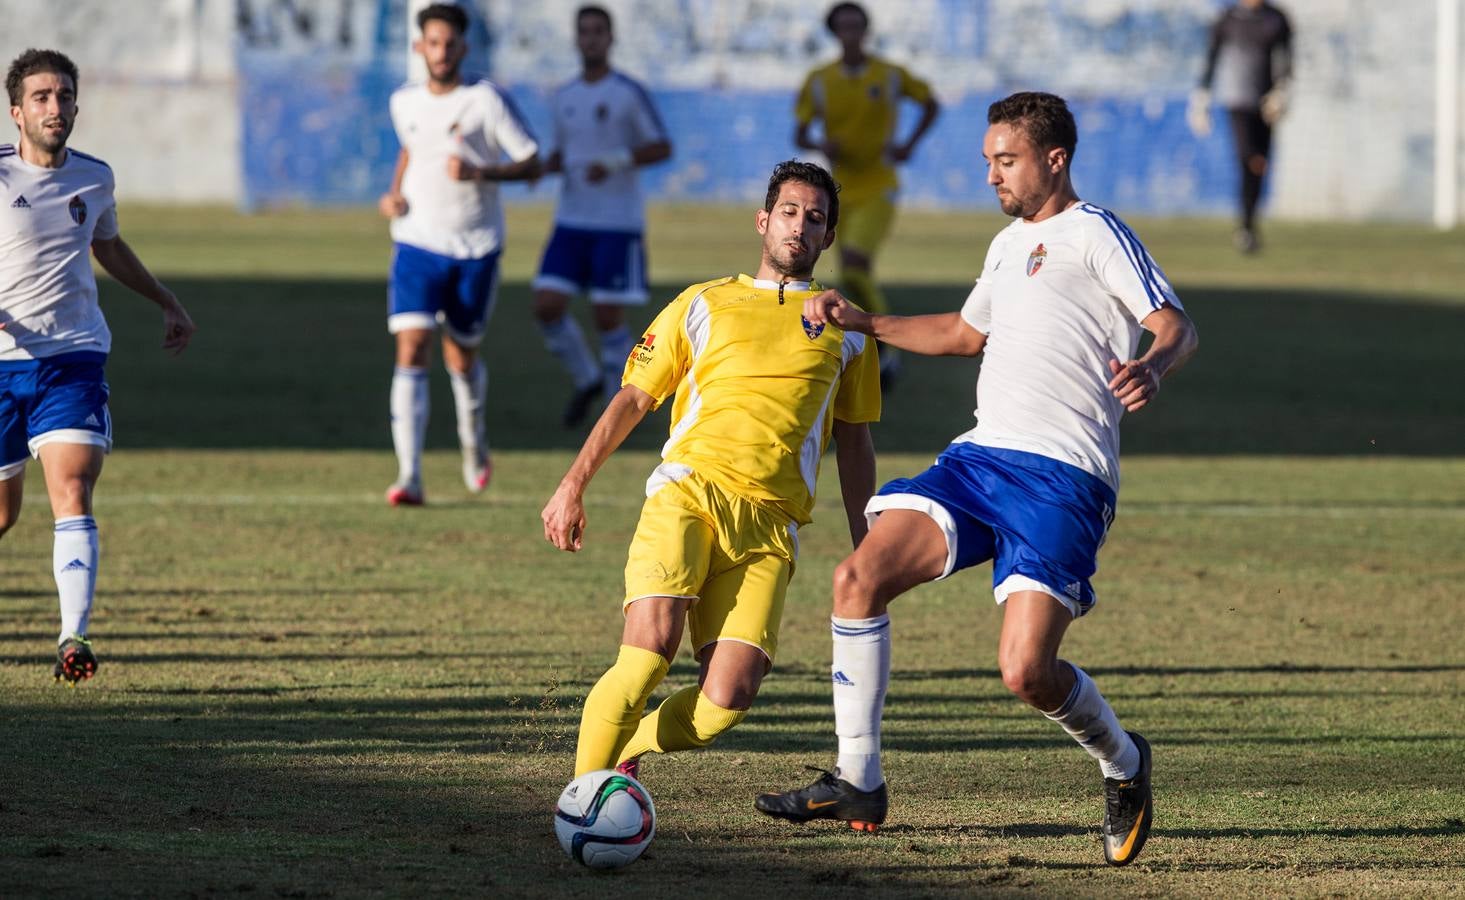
(604, 819)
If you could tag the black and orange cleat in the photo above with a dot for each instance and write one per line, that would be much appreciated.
(1128, 810)
(829, 797)
(75, 660)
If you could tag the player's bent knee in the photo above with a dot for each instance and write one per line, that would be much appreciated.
(1031, 678)
(857, 593)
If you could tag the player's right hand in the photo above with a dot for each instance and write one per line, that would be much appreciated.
(830, 306)
(1198, 112)
(392, 205)
(564, 520)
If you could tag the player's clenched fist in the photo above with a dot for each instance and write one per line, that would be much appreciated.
(830, 306)
(1135, 383)
(392, 205)
(564, 520)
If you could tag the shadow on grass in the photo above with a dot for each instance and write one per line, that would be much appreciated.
(306, 364)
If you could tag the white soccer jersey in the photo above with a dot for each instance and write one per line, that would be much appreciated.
(477, 122)
(593, 119)
(48, 219)
(1057, 300)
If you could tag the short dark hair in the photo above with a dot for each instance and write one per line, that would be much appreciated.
(838, 8)
(595, 9)
(1044, 118)
(450, 13)
(812, 174)
(34, 61)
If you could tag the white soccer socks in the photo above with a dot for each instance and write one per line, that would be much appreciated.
(409, 406)
(566, 341)
(1089, 719)
(861, 673)
(615, 346)
(74, 562)
(470, 392)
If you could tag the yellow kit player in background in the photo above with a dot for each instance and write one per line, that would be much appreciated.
(759, 392)
(856, 100)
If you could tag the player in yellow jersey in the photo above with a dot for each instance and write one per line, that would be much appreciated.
(759, 392)
(856, 100)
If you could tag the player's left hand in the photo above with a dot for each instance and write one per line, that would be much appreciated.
(1135, 383)
(596, 172)
(564, 520)
(178, 328)
(460, 169)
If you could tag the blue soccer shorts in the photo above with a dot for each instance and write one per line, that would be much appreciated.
(1040, 521)
(57, 399)
(608, 266)
(428, 289)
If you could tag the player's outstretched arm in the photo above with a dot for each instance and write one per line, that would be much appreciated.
(943, 334)
(564, 515)
(118, 260)
(1137, 381)
(854, 452)
(526, 169)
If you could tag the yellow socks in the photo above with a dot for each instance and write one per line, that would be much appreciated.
(863, 290)
(614, 706)
(684, 721)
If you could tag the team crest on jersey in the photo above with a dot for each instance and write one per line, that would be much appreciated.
(602, 112)
(812, 330)
(77, 208)
(874, 92)
(1036, 259)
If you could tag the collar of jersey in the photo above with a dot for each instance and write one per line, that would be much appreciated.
(769, 285)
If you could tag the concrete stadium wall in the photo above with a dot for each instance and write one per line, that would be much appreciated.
(262, 102)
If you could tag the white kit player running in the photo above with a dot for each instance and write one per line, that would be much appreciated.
(1058, 312)
(447, 232)
(56, 212)
(605, 126)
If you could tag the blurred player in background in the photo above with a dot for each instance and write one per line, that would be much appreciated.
(856, 100)
(759, 394)
(1248, 67)
(447, 232)
(57, 206)
(1058, 312)
(605, 127)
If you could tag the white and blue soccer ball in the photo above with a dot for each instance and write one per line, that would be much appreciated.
(605, 819)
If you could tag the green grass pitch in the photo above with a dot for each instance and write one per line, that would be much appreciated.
(304, 693)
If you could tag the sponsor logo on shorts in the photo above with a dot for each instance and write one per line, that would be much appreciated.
(1074, 590)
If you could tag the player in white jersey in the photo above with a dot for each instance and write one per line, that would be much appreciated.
(447, 231)
(605, 126)
(56, 212)
(1058, 310)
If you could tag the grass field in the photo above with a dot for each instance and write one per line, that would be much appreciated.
(306, 694)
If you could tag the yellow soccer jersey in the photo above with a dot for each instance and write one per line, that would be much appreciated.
(757, 389)
(859, 110)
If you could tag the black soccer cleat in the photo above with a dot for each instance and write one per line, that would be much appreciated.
(580, 402)
(829, 797)
(1128, 810)
(75, 660)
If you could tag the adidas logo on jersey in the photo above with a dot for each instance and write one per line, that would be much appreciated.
(842, 679)
(76, 565)
(21, 203)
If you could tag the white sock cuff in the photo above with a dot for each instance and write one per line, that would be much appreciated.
(76, 523)
(1081, 682)
(409, 372)
(860, 630)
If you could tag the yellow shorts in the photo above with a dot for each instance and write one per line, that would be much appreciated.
(731, 557)
(863, 226)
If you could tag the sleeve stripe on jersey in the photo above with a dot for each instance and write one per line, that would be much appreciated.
(1140, 268)
(1144, 257)
(646, 99)
(7, 149)
(512, 109)
(90, 157)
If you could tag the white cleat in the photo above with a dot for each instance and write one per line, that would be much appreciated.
(405, 493)
(477, 470)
